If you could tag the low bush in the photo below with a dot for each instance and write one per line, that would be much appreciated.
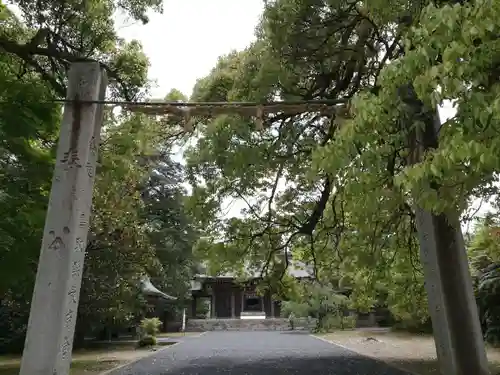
(334, 322)
(147, 340)
(348, 322)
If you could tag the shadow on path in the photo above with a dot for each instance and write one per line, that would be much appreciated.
(254, 353)
(333, 364)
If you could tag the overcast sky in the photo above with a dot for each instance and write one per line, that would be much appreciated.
(184, 42)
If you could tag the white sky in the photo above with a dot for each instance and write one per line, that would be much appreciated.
(184, 42)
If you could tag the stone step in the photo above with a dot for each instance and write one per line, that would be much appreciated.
(197, 325)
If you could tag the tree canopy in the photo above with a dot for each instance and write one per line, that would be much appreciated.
(49, 35)
(335, 191)
(339, 192)
(139, 224)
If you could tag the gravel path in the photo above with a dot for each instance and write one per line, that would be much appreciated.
(256, 353)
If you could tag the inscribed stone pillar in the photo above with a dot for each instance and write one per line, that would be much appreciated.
(49, 338)
(452, 306)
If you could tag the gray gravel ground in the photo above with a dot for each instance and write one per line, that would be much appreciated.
(256, 353)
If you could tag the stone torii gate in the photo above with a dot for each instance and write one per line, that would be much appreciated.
(54, 305)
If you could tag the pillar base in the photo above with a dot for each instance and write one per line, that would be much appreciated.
(452, 305)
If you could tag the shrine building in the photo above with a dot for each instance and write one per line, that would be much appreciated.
(227, 297)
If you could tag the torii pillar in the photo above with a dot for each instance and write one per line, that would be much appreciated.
(452, 306)
(54, 306)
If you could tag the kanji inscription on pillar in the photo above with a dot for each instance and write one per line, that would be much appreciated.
(83, 221)
(93, 145)
(80, 245)
(90, 170)
(69, 317)
(71, 160)
(72, 293)
(57, 242)
(76, 269)
(65, 347)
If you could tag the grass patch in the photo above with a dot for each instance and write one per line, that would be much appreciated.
(105, 346)
(93, 367)
(77, 367)
(93, 360)
(9, 370)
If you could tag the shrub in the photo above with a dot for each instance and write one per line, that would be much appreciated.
(413, 326)
(349, 322)
(488, 301)
(150, 327)
(333, 322)
(328, 323)
(322, 303)
(147, 340)
(294, 309)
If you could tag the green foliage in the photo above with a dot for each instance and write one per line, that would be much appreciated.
(484, 254)
(28, 130)
(139, 224)
(202, 308)
(334, 322)
(170, 229)
(63, 31)
(488, 299)
(118, 248)
(305, 186)
(336, 193)
(484, 248)
(150, 326)
(27, 133)
(348, 322)
(434, 63)
(320, 302)
(294, 309)
(147, 341)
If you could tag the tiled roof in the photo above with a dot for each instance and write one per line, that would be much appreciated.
(149, 289)
(295, 269)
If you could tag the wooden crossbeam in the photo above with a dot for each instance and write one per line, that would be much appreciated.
(257, 112)
(188, 111)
